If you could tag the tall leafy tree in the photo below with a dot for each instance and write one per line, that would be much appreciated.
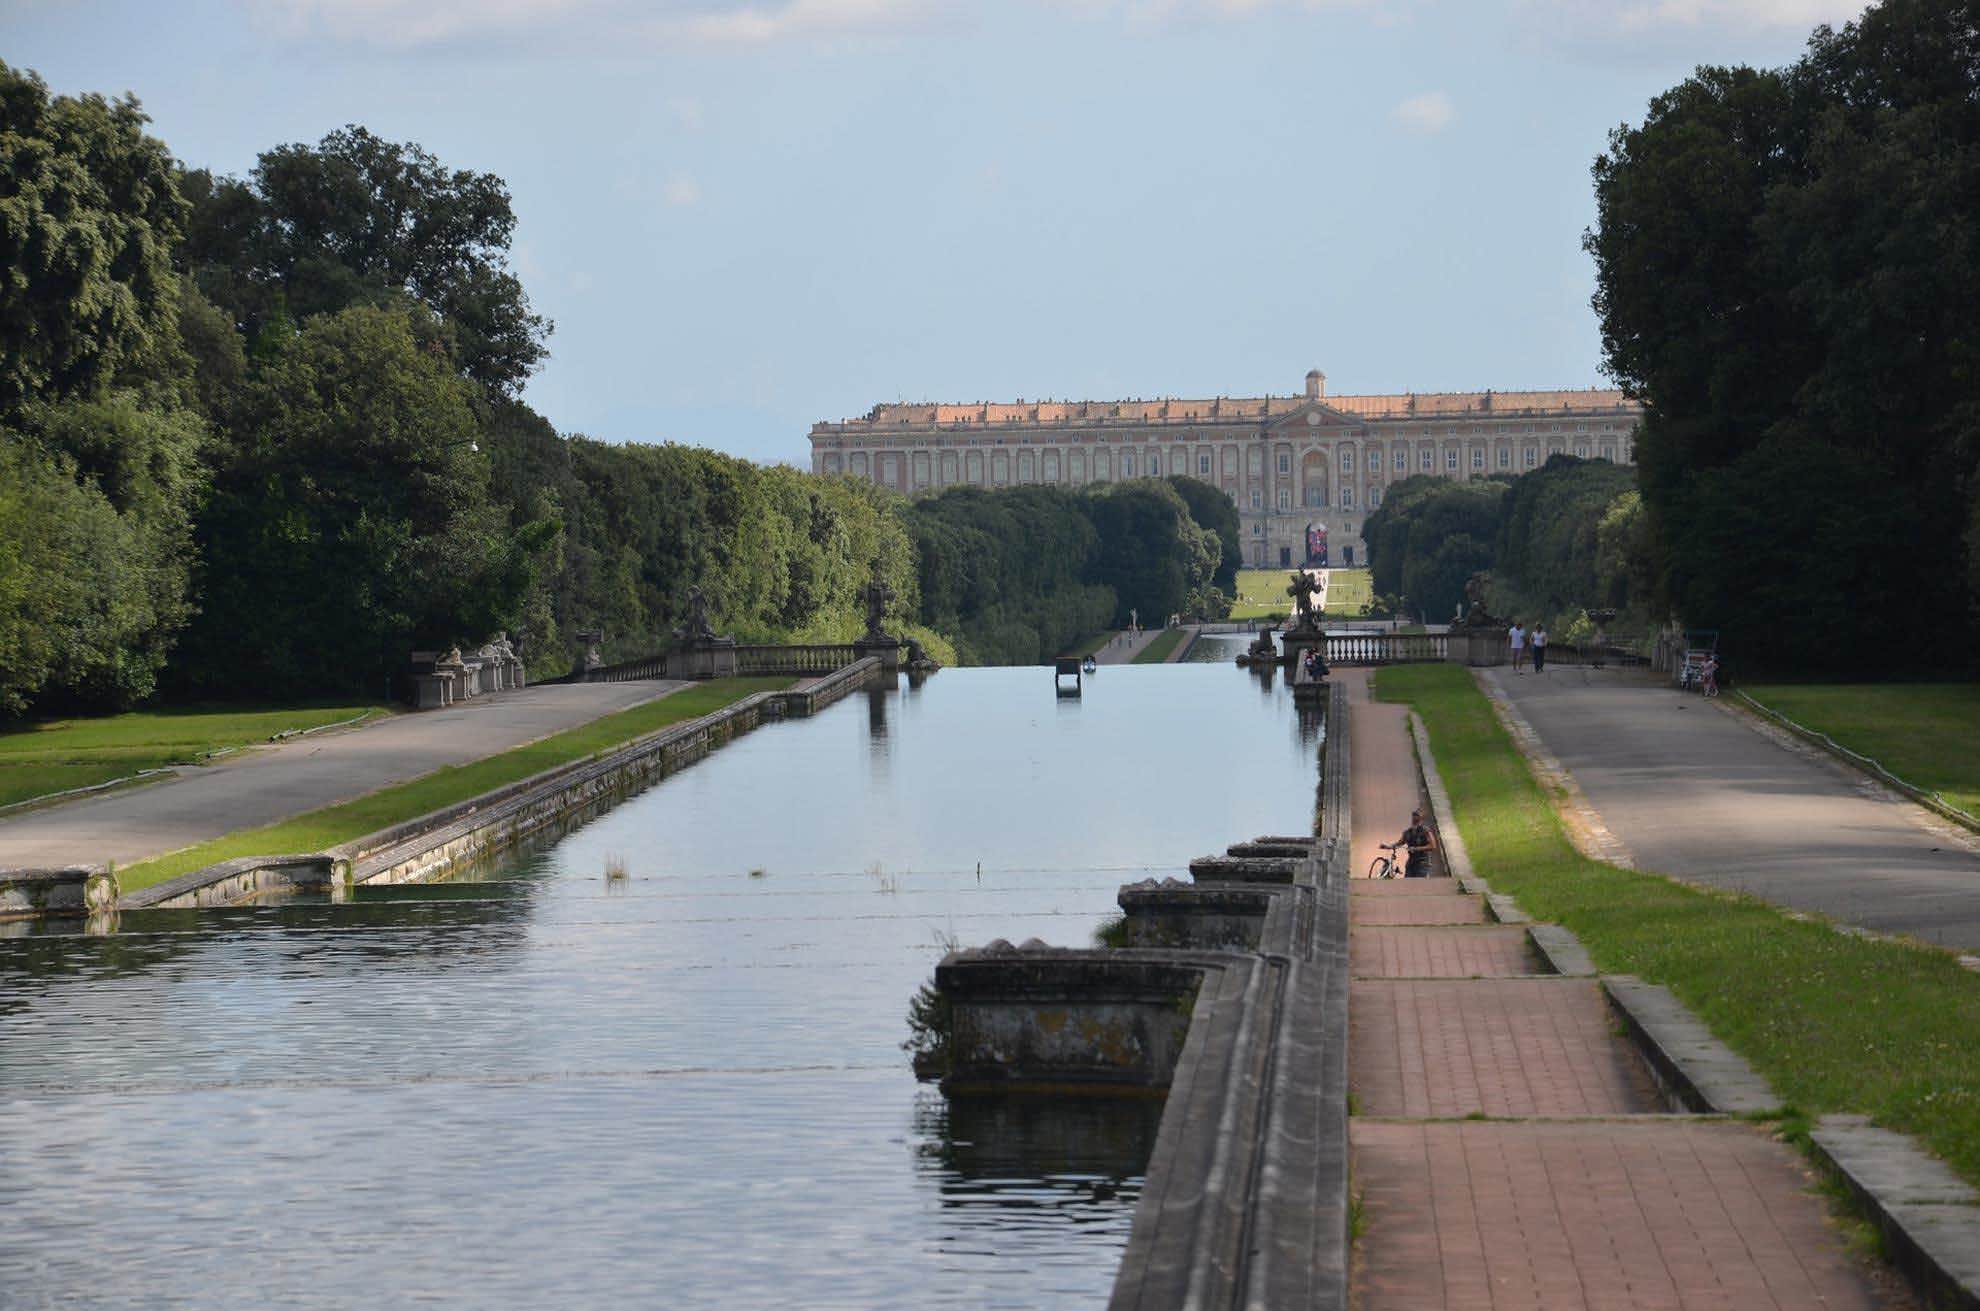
(358, 220)
(89, 212)
(1788, 275)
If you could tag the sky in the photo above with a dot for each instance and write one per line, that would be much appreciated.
(748, 215)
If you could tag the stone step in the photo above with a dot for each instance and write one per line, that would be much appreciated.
(1499, 1047)
(1457, 952)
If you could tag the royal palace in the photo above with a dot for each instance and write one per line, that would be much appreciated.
(1303, 469)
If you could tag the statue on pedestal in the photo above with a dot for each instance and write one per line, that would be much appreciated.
(876, 595)
(1302, 590)
(696, 631)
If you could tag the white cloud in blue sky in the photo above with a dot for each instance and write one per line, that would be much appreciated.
(745, 216)
(1429, 112)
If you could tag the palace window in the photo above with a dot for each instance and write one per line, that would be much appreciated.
(1203, 465)
(1451, 461)
(1581, 450)
(1347, 498)
(1316, 497)
(1374, 497)
(1427, 461)
(1505, 457)
(1347, 460)
(1532, 456)
(1285, 462)
(1127, 464)
(1477, 458)
(1154, 465)
(1374, 461)
(1402, 460)
(1608, 452)
(1257, 499)
(1285, 499)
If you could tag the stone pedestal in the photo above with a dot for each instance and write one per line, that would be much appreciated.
(713, 657)
(432, 691)
(1478, 647)
(1295, 643)
(888, 649)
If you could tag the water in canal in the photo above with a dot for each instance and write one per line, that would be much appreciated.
(538, 1086)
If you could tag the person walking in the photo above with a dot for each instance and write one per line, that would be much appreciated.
(1516, 638)
(1539, 648)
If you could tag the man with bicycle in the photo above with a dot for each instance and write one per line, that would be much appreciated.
(1420, 842)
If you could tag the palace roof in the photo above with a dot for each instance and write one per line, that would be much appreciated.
(1225, 409)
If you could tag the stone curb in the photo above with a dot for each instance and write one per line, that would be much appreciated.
(1695, 1070)
(1929, 1218)
(1561, 950)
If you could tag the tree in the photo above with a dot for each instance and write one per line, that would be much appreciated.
(357, 220)
(351, 520)
(1214, 510)
(1788, 263)
(89, 211)
(1429, 536)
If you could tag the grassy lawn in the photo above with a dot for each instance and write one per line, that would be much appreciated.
(1836, 1023)
(317, 829)
(1922, 732)
(1157, 651)
(38, 759)
(1261, 593)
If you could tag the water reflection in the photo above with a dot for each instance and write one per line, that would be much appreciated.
(541, 1085)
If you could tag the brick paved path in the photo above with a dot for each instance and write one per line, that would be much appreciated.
(1510, 1148)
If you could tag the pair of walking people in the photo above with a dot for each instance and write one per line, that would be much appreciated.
(1519, 639)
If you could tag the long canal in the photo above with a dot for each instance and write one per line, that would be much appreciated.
(546, 1084)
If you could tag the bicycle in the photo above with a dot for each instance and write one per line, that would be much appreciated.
(1385, 867)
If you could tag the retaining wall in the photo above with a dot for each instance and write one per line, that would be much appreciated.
(438, 843)
(1245, 1202)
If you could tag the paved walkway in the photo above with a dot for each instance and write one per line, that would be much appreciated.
(1510, 1149)
(269, 783)
(1691, 788)
(1123, 647)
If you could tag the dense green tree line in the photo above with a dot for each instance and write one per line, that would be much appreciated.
(262, 437)
(1020, 575)
(1565, 538)
(1788, 276)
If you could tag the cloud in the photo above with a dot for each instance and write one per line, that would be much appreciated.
(681, 192)
(1428, 113)
(1656, 29)
(587, 24)
(762, 24)
(405, 25)
(1751, 15)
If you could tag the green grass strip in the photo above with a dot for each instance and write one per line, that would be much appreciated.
(316, 830)
(1922, 732)
(1157, 652)
(39, 759)
(1835, 1022)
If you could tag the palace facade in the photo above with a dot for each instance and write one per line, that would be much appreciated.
(1302, 470)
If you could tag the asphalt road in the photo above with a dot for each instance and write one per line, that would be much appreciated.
(266, 784)
(1694, 790)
